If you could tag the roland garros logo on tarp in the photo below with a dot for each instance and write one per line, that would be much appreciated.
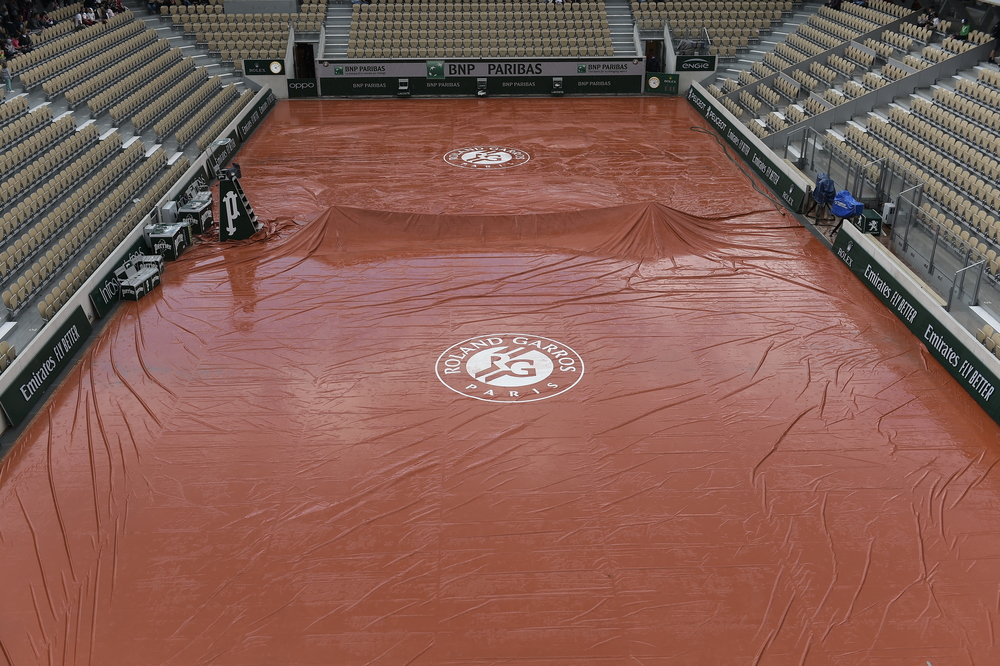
(487, 157)
(509, 367)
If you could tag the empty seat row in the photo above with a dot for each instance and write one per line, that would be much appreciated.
(892, 72)
(768, 95)
(853, 89)
(841, 64)
(77, 46)
(149, 113)
(63, 181)
(209, 110)
(790, 53)
(119, 70)
(27, 62)
(749, 101)
(870, 14)
(804, 79)
(888, 7)
(834, 96)
(502, 51)
(136, 98)
(131, 84)
(957, 45)
(7, 355)
(946, 141)
(978, 91)
(916, 32)
(814, 106)
(36, 143)
(834, 28)
(916, 62)
(806, 46)
(823, 72)
(990, 339)
(52, 261)
(901, 42)
(758, 128)
(192, 101)
(987, 116)
(111, 239)
(221, 123)
(874, 80)
(881, 48)
(789, 89)
(13, 108)
(775, 121)
(860, 56)
(96, 62)
(817, 36)
(23, 126)
(965, 206)
(42, 165)
(795, 113)
(854, 22)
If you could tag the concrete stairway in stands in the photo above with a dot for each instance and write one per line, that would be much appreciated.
(337, 29)
(621, 22)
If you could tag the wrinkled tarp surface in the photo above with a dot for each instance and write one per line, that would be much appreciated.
(257, 464)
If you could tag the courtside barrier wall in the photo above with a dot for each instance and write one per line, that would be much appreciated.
(789, 185)
(460, 77)
(951, 345)
(23, 384)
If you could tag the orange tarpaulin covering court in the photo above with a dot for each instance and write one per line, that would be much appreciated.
(337, 444)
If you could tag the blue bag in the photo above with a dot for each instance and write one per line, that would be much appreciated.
(844, 205)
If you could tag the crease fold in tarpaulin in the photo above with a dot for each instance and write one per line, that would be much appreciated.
(640, 231)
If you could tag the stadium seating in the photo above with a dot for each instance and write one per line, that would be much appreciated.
(85, 267)
(48, 60)
(236, 37)
(134, 98)
(39, 168)
(528, 29)
(147, 115)
(7, 354)
(185, 108)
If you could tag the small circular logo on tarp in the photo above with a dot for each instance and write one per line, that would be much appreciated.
(486, 157)
(509, 367)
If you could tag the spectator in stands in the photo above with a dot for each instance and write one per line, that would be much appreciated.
(995, 34)
(833, 4)
(928, 20)
(9, 50)
(8, 84)
(963, 32)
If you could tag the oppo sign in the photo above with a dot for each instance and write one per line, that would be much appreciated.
(302, 88)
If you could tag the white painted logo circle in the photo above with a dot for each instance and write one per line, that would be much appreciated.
(486, 157)
(509, 367)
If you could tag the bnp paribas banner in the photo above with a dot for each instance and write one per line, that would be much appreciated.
(443, 69)
(926, 321)
(737, 136)
(466, 77)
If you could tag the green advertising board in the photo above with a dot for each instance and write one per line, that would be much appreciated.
(923, 321)
(440, 86)
(358, 87)
(255, 116)
(300, 88)
(106, 293)
(737, 137)
(264, 67)
(602, 85)
(38, 374)
(695, 63)
(662, 84)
